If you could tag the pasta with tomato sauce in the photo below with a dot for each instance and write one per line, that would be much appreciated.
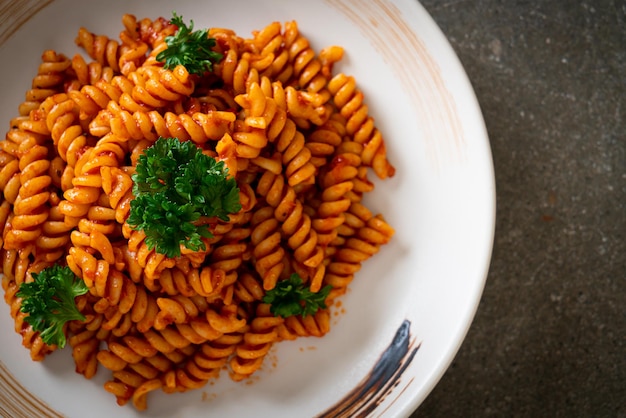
(297, 139)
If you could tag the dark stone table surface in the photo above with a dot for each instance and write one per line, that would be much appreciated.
(549, 336)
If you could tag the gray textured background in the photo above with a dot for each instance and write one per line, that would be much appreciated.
(549, 336)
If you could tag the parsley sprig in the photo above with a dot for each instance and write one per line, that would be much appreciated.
(175, 186)
(292, 297)
(189, 49)
(49, 302)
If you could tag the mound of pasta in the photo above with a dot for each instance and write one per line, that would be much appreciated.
(297, 141)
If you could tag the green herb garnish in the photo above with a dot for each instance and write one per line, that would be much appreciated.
(189, 49)
(49, 302)
(175, 185)
(292, 297)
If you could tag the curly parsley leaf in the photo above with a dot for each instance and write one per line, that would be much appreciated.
(292, 297)
(189, 48)
(49, 302)
(175, 186)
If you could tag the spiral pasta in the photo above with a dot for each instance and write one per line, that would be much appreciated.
(296, 137)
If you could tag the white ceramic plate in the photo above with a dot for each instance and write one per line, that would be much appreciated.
(410, 305)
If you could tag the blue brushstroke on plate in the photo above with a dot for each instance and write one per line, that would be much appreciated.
(385, 375)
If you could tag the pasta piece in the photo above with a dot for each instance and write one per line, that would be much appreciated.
(294, 327)
(349, 100)
(257, 341)
(51, 75)
(296, 226)
(268, 252)
(30, 208)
